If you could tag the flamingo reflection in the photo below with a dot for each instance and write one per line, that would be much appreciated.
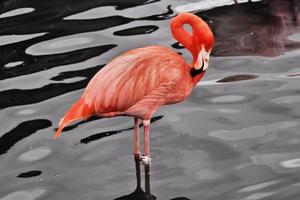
(139, 193)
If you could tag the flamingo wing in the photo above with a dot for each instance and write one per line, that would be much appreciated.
(135, 82)
(145, 107)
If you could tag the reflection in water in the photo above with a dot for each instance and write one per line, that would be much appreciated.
(10, 39)
(29, 174)
(286, 99)
(208, 4)
(293, 163)
(94, 13)
(23, 130)
(109, 133)
(294, 75)
(25, 195)
(258, 186)
(19, 11)
(259, 195)
(252, 132)
(138, 193)
(35, 154)
(13, 64)
(70, 43)
(136, 30)
(247, 29)
(41, 63)
(84, 27)
(235, 78)
(14, 97)
(228, 99)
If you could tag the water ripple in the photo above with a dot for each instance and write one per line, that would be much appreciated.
(94, 13)
(19, 11)
(228, 99)
(98, 136)
(46, 62)
(136, 30)
(25, 194)
(35, 154)
(29, 174)
(207, 5)
(235, 78)
(67, 44)
(13, 64)
(258, 186)
(286, 99)
(253, 131)
(293, 163)
(23, 130)
(10, 39)
(259, 195)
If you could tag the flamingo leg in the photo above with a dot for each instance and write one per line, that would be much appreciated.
(146, 157)
(136, 147)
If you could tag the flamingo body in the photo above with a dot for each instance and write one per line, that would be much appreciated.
(139, 81)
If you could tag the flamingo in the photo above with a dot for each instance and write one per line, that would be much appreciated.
(139, 81)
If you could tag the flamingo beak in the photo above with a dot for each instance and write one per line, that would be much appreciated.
(203, 59)
(205, 63)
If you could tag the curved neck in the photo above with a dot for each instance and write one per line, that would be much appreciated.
(183, 36)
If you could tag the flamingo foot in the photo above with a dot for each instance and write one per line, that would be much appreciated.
(146, 160)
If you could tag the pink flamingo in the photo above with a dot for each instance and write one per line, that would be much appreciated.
(139, 81)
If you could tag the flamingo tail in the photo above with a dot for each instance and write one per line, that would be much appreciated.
(80, 110)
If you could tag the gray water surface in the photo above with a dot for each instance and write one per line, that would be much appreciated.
(235, 138)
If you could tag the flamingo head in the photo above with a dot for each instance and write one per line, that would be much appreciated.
(203, 41)
(202, 59)
(199, 42)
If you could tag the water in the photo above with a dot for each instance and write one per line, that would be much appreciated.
(236, 137)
